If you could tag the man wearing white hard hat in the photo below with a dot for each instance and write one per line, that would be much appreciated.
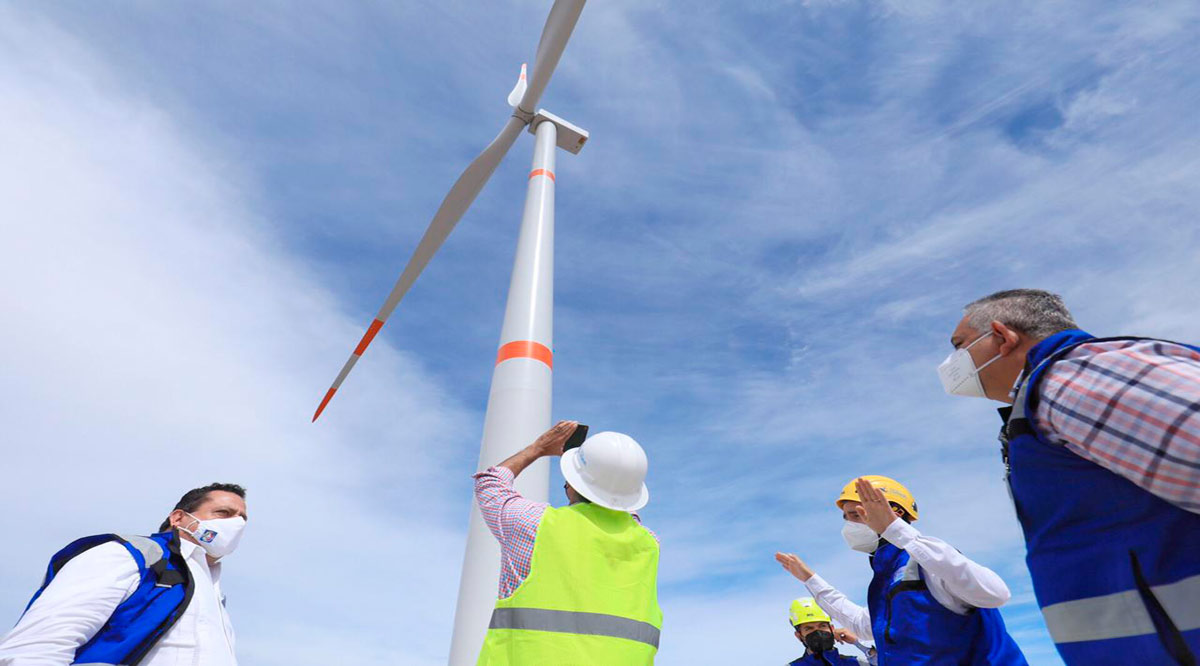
(578, 584)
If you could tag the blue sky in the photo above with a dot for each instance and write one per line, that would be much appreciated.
(761, 254)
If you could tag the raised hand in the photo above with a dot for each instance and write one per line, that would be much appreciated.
(551, 442)
(794, 565)
(876, 511)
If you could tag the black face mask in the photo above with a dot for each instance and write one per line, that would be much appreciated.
(819, 641)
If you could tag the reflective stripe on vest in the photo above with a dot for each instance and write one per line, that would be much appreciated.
(1123, 613)
(149, 548)
(573, 622)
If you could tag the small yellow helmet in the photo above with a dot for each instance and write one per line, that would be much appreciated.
(893, 490)
(806, 610)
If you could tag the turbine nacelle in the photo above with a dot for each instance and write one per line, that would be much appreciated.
(570, 137)
(524, 98)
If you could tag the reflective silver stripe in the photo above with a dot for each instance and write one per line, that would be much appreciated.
(1123, 614)
(149, 548)
(571, 622)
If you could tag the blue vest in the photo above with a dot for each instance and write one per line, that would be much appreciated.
(1116, 570)
(829, 658)
(911, 627)
(142, 619)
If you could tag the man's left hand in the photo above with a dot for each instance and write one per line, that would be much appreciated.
(877, 513)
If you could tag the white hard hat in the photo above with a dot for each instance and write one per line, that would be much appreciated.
(610, 470)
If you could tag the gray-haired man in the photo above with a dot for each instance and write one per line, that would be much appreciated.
(1102, 446)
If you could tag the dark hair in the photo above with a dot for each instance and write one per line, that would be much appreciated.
(193, 498)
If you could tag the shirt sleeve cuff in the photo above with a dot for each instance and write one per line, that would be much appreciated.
(503, 474)
(900, 534)
(817, 585)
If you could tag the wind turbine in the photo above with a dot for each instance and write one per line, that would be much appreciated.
(519, 400)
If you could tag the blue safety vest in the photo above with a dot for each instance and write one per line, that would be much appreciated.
(911, 627)
(828, 658)
(1116, 569)
(153, 608)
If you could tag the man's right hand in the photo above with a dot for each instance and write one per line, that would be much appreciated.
(551, 442)
(794, 566)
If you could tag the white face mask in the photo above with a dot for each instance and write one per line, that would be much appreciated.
(860, 537)
(218, 536)
(958, 372)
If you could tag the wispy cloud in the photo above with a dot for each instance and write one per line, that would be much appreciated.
(761, 253)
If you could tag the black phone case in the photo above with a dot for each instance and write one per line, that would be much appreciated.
(577, 437)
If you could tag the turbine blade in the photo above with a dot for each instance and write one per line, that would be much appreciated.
(559, 24)
(456, 203)
(518, 91)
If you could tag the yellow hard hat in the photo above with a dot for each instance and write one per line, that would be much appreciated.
(806, 610)
(893, 490)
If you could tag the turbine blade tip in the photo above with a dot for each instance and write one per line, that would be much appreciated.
(324, 402)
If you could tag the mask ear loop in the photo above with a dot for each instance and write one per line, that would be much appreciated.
(194, 520)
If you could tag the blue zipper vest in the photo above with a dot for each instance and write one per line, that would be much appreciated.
(1116, 569)
(141, 620)
(911, 627)
(831, 658)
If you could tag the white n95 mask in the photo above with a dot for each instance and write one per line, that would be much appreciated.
(860, 537)
(958, 372)
(218, 536)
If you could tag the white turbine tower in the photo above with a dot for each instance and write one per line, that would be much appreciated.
(519, 401)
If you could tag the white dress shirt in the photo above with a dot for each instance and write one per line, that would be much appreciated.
(84, 594)
(954, 581)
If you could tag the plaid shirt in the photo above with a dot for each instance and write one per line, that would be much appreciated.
(513, 520)
(1132, 407)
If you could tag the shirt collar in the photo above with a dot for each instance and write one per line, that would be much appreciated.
(191, 551)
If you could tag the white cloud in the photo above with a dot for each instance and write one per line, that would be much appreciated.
(155, 338)
(757, 291)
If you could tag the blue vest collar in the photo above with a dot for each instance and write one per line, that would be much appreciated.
(1055, 343)
(886, 558)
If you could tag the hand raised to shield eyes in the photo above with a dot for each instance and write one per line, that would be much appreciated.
(877, 512)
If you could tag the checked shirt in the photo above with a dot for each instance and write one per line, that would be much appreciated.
(1132, 407)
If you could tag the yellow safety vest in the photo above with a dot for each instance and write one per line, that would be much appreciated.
(591, 597)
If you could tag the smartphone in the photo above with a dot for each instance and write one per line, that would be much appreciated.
(577, 437)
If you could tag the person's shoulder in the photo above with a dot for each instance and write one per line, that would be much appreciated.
(106, 556)
(1144, 349)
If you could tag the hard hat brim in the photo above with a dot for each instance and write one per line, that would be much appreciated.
(630, 502)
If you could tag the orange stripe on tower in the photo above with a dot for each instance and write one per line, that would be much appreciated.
(367, 337)
(542, 172)
(526, 349)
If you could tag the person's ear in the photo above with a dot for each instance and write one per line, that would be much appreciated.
(1009, 339)
(178, 518)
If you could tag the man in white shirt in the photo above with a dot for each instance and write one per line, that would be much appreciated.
(927, 603)
(154, 601)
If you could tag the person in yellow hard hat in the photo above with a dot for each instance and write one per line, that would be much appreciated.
(815, 630)
(927, 603)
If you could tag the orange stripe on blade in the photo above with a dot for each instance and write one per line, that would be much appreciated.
(328, 397)
(526, 349)
(541, 172)
(367, 337)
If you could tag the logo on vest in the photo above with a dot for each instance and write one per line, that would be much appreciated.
(207, 536)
